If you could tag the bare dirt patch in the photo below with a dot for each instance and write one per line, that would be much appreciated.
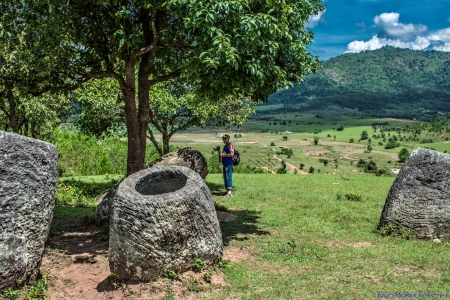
(413, 271)
(361, 244)
(77, 262)
(237, 254)
(337, 244)
(399, 120)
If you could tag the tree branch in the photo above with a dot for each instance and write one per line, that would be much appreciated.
(150, 47)
(153, 140)
(165, 77)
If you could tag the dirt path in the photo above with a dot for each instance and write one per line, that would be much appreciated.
(291, 168)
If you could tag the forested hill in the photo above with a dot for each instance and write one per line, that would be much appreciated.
(386, 82)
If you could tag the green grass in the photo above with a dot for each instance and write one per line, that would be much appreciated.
(310, 245)
(307, 241)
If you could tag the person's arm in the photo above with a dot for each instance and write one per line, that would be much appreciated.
(231, 148)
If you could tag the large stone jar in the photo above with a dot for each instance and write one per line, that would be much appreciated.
(187, 157)
(28, 176)
(419, 199)
(162, 218)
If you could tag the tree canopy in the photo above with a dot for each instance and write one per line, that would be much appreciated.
(243, 49)
(25, 67)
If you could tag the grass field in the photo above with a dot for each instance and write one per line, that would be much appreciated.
(255, 145)
(297, 237)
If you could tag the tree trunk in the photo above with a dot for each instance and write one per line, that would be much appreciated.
(166, 139)
(144, 102)
(12, 109)
(135, 156)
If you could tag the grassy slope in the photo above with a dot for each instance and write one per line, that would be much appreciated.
(310, 245)
(307, 244)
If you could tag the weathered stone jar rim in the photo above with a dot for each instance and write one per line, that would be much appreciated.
(160, 182)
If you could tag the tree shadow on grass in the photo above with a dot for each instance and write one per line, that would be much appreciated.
(244, 224)
(73, 231)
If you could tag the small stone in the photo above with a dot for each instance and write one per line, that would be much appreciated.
(437, 241)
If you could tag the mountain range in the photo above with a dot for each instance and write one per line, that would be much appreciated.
(385, 82)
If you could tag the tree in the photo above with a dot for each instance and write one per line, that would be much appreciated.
(243, 48)
(23, 69)
(403, 155)
(364, 135)
(174, 107)
(99, 111)
(316, 140)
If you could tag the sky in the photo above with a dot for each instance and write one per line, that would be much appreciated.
(357, 25)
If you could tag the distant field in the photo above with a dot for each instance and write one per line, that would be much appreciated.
(334, 146)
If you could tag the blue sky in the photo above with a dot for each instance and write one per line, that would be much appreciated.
(356, 25)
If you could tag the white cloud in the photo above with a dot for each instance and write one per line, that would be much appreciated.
(394, 33)
(313, 20)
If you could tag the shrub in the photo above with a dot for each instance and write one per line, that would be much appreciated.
(81, 155)
(215, 166)
(353, 197)
(371, 167)
(403, 155)
(391, 144)
(352, 140)
(311, 169)
(364, 135)
(281, 171)
(383, 172)
(361, 163)
(316, 140)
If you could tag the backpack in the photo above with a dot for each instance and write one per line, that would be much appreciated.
(236, 158)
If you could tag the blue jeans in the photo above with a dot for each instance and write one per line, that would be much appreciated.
(227, 177)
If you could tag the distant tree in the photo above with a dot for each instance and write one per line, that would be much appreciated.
(403, 155)
(281, 171)
(301, 166)
(325, 162)
(370, 167)
(364, 135)
(285, 138)
(351, 140)
(311, 169)
(391, 144)
(361, 163)
(316, 140)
